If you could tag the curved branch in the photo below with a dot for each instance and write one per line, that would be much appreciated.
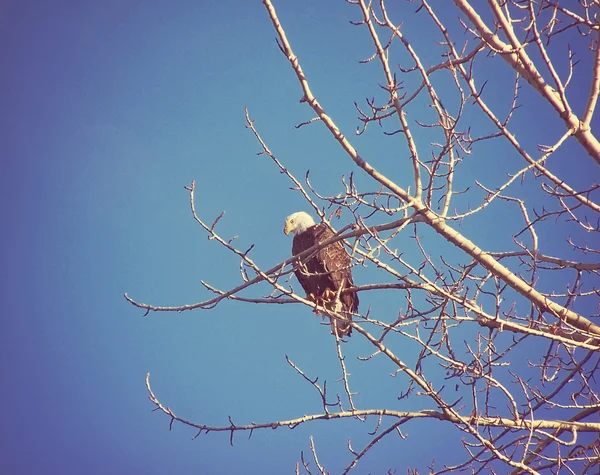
(518, 59)
(293, 423)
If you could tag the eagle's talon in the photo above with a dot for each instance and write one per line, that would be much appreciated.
(314, 299)
(329, 295)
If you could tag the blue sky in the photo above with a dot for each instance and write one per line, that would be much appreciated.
(108, 110)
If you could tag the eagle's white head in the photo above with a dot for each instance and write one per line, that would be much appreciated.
(297, 223)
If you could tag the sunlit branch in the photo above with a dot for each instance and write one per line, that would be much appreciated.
(515, 55)
(293, 423)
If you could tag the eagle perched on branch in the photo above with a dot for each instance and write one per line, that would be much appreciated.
(325, 273)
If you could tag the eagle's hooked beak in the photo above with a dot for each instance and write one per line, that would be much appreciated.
(286, 229)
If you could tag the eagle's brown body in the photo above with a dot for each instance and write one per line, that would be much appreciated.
(328, 269)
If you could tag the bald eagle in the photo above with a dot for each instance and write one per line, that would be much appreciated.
(325, 273)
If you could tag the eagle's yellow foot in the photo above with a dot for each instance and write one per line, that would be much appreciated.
(329, 295)
(313, 298)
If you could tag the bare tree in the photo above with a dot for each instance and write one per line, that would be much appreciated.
(470, 310)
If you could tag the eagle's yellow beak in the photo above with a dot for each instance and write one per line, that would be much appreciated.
(286, 229)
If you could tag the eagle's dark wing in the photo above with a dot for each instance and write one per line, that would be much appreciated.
(336, 262)
(310, 271)
(329, 268)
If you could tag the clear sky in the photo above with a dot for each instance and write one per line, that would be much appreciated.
(107, 110)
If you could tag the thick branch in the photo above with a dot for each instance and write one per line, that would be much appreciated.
(516, 56)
